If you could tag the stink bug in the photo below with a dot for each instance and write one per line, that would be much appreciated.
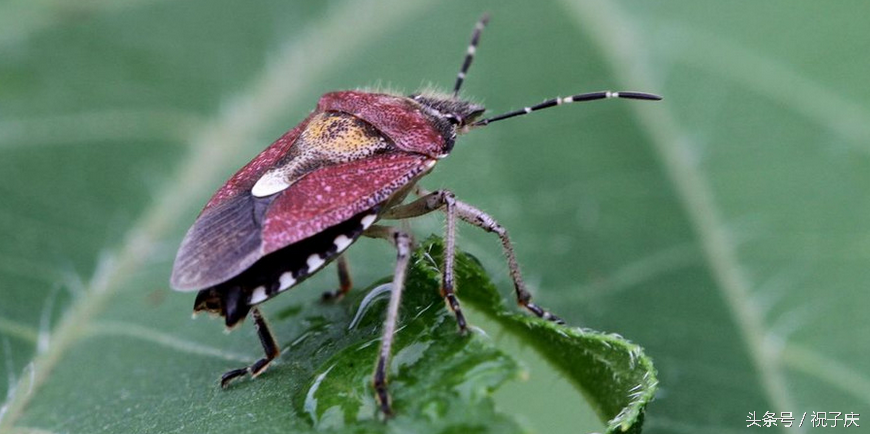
(310, 195)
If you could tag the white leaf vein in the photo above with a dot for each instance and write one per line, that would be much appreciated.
(282, 81)
(630, 62)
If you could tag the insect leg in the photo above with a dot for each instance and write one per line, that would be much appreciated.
(402, 241)
(428, 202)
(344, 281)
(269, 347)
(476, 217)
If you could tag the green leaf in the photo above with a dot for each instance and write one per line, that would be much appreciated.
(724, 228)
(440, 380)
(614, 374)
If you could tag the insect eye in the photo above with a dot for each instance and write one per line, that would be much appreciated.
(452, 119)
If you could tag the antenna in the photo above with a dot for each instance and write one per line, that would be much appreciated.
(469, 54)
(576, 98)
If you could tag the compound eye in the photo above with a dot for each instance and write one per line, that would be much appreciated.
(453, 119)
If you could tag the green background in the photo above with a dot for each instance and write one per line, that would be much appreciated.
(724, 229)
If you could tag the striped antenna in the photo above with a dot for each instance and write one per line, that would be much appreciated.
(469, 54)
(576, 98)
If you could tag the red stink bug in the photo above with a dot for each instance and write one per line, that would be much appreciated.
(307, 197)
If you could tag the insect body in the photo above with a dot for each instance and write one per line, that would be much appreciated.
(310, 195)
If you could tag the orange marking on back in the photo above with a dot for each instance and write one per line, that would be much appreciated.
(341, 137)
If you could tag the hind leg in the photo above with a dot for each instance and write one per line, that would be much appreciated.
(269, 347)
(344, 281)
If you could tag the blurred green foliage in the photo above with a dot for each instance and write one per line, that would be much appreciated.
(724, 229)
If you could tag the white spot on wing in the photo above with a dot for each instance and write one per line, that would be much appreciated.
(286, 280)
(314, 262)
(259, 295)
(368, 220)
(341, 242)
(270, 183)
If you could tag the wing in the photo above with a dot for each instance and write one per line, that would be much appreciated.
(334, 194)
(352, 153)
(235, 232)
(247, 176)
(227, 223)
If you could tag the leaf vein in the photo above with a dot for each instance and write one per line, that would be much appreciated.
(827, 370)
(18, 330)
(673, 146)
(120, 125)
(212, 148)
(115, 328)
(774, 80)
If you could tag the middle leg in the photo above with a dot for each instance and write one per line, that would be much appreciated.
(428, 202)
(402, 241)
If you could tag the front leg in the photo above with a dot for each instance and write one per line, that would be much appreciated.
(443, 199)
(484, 221)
